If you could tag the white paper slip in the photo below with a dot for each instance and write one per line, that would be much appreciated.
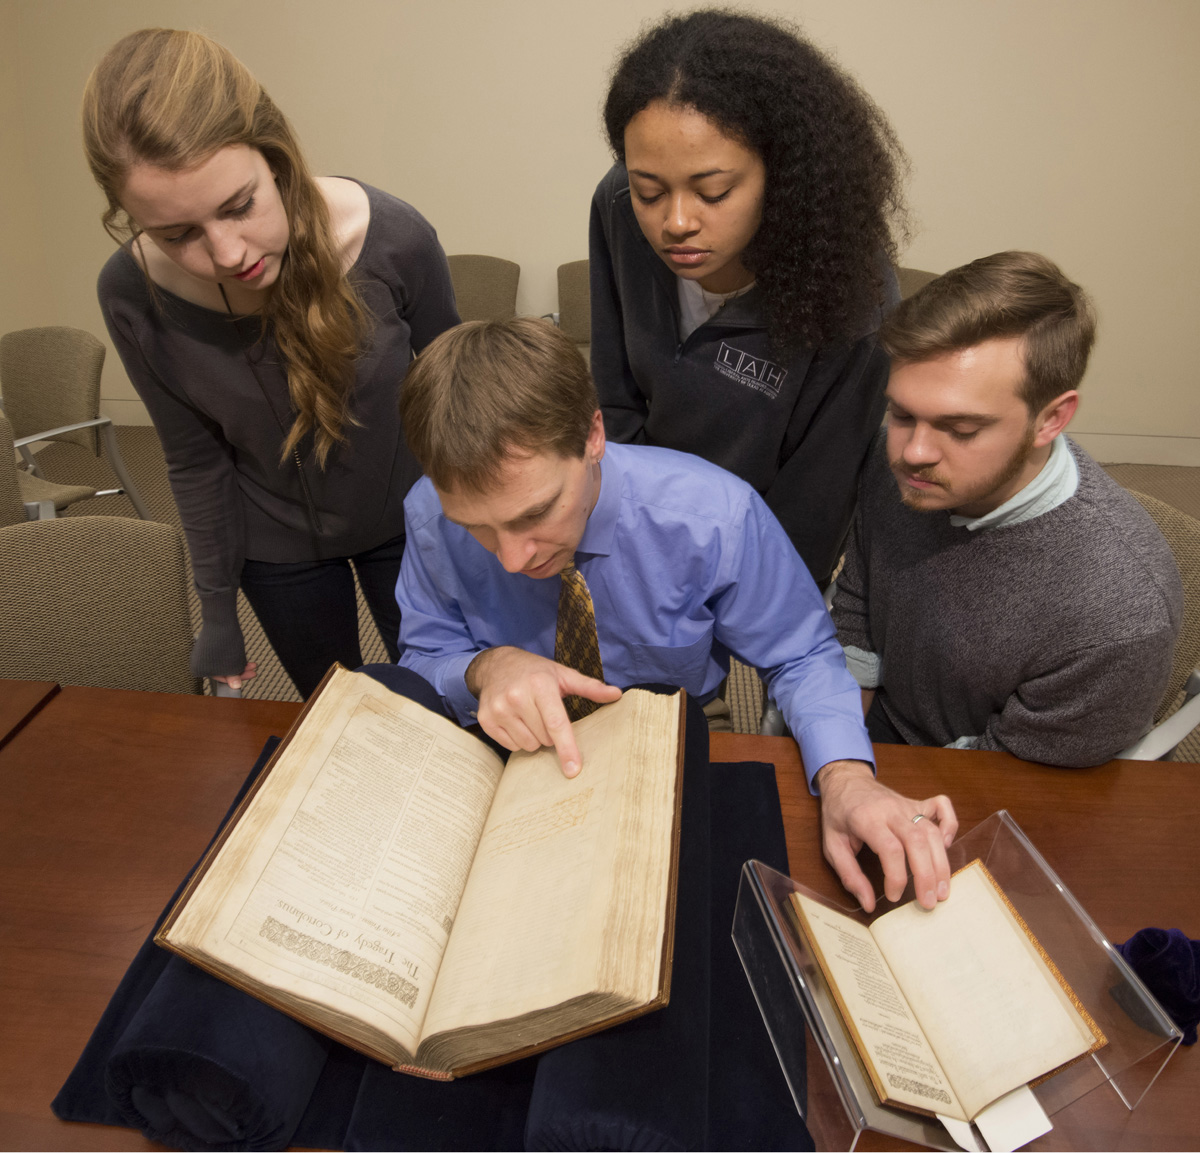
(1013, 1121)
(963, 1135)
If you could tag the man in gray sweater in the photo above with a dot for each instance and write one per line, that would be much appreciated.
(1000, 590)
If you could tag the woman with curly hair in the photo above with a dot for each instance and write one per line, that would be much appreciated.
(740, 263)
(266, 319)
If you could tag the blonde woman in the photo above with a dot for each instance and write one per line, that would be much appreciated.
(267, 319)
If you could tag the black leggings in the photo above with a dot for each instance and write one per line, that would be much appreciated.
(310, 613)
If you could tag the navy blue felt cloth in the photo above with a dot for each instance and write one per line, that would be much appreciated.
(1169, 965)
(699, 1074)
(749, 1103)
(203, 1066)
(484, 1111)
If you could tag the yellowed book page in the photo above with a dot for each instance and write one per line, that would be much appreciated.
(635, 911)
(533, 920)
(343, 878)
(888, 1036)
(993, 1012)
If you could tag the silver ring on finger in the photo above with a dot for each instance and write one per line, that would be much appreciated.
(919, 817)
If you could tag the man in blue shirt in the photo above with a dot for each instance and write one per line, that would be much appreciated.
(684, 563)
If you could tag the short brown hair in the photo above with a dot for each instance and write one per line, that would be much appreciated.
(1005, 295)
(487, 388)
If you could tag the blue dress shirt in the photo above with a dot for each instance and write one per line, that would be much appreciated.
(685, 564)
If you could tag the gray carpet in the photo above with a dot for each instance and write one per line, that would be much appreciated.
(144, 459)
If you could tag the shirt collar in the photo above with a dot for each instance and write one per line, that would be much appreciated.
(1055, 484)
(598, 533)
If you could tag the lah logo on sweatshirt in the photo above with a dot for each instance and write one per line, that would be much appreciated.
(753, 371)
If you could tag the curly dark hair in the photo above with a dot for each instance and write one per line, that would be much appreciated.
(833, 205)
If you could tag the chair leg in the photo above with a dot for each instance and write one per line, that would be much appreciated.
(118, 466)
(40, 510)
(30, 460)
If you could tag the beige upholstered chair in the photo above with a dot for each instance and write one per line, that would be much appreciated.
(12, 504)
(485, 287)
(1183, 535)
(912, 279)
(95, 600)
(50, 380)
(36, 497)
(575, 302)
(45, 500)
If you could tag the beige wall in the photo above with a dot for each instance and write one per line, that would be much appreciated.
(1067, 126)
(24, 297)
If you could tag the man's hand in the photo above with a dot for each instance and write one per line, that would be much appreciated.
(520, 701)
(857, 810)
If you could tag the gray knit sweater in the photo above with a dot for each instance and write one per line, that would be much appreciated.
(1050, 639)
(222, 436)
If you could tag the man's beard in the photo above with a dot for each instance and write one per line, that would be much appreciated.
(972, 494)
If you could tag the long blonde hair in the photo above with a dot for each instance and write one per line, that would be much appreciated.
(172, 99)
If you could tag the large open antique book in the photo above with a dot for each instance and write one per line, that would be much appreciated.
(949, 1008)
(393, 883)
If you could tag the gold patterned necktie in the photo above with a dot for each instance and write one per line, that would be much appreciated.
(575, 642)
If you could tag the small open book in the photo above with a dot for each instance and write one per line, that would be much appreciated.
(395, 884)
(949, 1008)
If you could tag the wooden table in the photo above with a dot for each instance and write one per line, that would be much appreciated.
(20, 701)
(109, 797)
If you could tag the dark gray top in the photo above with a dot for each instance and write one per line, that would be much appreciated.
(1051, 639)
(222, 433)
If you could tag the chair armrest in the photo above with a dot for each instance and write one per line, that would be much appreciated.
(51, 432)
(1163, 738)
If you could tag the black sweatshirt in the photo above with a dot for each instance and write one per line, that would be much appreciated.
(798, 431)
(222, 433)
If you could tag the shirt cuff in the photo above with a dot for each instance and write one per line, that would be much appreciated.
(828, 741)
(964, 743)
(865, 667)
(452, 684)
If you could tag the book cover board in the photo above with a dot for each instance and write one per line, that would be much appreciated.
(391, 882)
(950, 1008)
